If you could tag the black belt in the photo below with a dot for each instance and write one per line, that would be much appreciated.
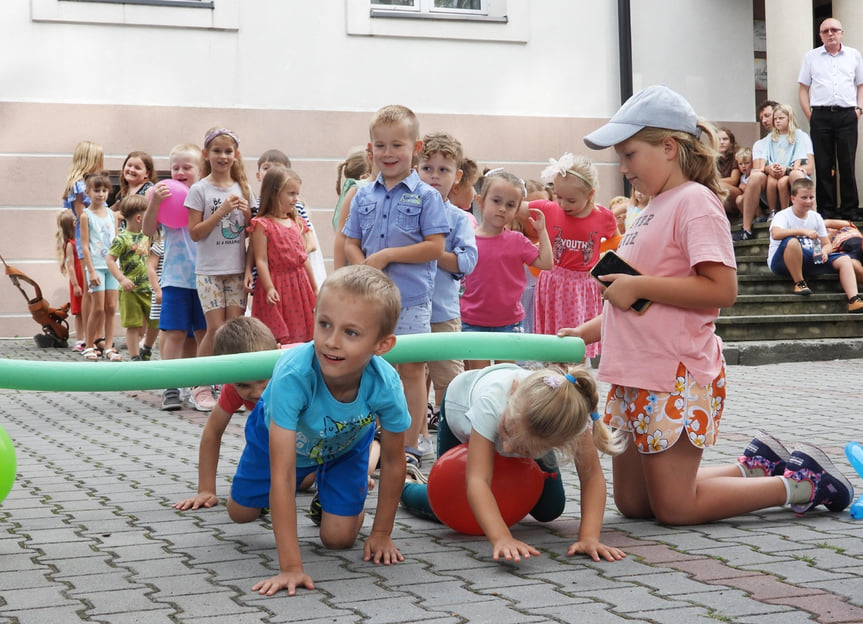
(832, 109)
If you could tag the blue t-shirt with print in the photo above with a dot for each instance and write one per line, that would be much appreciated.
(297, 399)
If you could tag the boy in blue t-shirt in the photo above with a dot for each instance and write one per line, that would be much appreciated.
(397, 224)
(317, 415)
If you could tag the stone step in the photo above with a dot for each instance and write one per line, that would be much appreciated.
(767, 305)
(753, 265)
(770, 284)
(757, 352)
(790, 326)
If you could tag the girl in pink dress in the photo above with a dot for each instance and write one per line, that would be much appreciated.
(285, 292)
(567, 296)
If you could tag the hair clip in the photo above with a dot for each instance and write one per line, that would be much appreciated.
(571, 379)
(552, 381)
(594, 416)
(523, 187)
(562, 167)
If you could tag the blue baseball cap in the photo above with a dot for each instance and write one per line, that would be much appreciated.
(656, 106)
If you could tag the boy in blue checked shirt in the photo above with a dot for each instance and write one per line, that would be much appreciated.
(398, 224)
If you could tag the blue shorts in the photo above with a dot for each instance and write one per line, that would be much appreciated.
(414, 320)
(181, 311)
(777, 264)
(106, 280)
(514, 328)
(342, 483)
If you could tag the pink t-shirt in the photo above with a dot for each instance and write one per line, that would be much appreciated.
(575, 240)
(492, 293)
(677, 230)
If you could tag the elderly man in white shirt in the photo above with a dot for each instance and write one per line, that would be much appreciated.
(831, 92)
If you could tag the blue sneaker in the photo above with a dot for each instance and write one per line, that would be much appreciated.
(765, 453)
(829, 487)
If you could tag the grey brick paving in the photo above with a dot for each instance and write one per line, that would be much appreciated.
(88, 533)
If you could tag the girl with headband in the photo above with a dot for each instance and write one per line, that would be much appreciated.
(567, 296)
(219, 214)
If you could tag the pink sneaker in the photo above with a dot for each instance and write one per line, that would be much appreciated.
(202, 398)
(78, 346)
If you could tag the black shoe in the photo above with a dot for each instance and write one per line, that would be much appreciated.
(741, 235)
(316, 511)
(171, 400)
(146, 353)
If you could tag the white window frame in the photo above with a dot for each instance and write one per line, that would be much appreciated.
(207, 15)
(500, 20)
(427, 9)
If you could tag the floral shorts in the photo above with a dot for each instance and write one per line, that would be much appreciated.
(221, 291)
(657, 419)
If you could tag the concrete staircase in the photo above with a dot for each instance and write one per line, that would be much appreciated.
(768, 323)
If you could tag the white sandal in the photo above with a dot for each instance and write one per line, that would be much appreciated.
(90, 354)
(112, 355)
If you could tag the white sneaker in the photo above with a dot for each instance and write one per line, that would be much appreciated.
(426, 446)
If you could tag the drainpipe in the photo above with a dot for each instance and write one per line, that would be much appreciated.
(624, 43)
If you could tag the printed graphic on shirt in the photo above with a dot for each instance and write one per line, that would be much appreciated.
(335, 437)
(560, 245)
(230, 226)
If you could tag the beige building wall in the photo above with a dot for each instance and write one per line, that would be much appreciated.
(305, 77)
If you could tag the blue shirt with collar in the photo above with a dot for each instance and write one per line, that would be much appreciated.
(461, 241)
(404, 215)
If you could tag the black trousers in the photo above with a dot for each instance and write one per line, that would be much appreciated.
(834, 141)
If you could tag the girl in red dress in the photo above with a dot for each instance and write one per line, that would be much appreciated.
(285, 291)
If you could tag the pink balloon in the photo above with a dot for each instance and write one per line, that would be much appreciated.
(172, 212)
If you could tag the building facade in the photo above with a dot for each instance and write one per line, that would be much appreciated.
(516, 81)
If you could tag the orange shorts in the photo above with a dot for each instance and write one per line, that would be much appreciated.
(656, 419)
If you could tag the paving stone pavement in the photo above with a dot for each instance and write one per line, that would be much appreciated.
(88, 532)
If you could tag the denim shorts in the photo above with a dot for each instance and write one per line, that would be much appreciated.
(514, 328)
(777, 264)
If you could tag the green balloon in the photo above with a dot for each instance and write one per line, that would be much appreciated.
(79, 376)
(8, 465)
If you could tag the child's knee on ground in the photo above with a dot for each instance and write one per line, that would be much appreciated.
(241, 514)
(340, 532)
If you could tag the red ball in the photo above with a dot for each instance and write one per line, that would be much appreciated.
(516, 486)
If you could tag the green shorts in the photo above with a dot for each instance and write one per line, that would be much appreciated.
(135, 310)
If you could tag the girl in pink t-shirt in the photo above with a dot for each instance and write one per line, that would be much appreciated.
(492, 293)
(665, 366)
(567, 296)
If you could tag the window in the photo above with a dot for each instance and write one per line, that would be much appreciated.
(469, 20)
(435, 8)
(205, 14)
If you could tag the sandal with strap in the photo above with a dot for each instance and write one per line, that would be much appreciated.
(112, 355)
(99, 346)
(413, 456)
(90, 354)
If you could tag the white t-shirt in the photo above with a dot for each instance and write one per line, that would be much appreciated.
(223, 250)
(788, 220)
(476, 399)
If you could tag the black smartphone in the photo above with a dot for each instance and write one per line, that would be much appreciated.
(610, 263)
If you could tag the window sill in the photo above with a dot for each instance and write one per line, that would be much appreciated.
(507, 22)
(219, 15)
